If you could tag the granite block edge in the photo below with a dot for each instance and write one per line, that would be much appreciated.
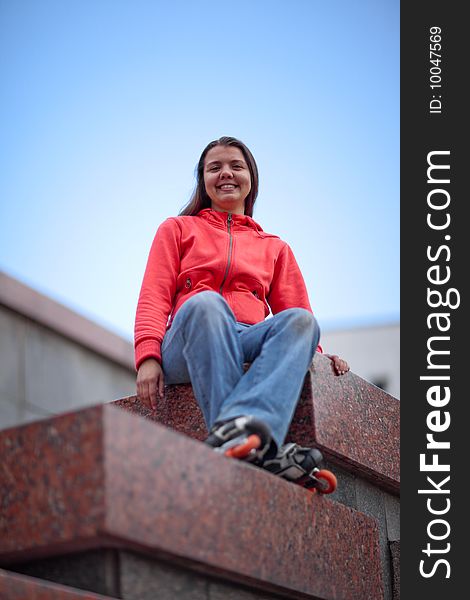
(14, 586)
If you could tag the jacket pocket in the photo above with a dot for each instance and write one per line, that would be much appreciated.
(248, 299)
(197, 280)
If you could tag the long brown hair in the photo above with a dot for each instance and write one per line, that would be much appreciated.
(200, 199)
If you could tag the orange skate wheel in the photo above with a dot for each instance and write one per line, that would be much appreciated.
(242, 450)
(328, 481)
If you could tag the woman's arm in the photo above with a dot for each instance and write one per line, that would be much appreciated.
(157, 292)
(288, 289)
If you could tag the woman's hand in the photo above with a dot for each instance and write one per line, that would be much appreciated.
(340, 366)
(150, 380)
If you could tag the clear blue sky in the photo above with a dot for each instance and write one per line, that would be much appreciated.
(106, 105)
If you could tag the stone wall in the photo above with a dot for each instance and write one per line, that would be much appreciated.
(53, 360)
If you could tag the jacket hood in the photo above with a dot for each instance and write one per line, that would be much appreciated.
(219, 219)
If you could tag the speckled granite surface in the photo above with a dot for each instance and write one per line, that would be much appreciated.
(353, 421)
(356, 424)
(102, 477)
(22, 587)
(395, 554)
(51, 482)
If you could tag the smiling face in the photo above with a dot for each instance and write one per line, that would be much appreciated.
(227, 179)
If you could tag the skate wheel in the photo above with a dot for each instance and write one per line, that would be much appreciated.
(241, 451)
(328, 481)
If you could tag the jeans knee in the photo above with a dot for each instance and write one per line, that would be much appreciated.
(304, 322)
(206, 305)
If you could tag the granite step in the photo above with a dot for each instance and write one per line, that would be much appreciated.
(103, 478)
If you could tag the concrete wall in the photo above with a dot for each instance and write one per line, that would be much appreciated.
(43, 373)
(372, 352)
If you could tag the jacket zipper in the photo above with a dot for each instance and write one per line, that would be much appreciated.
(229, 225)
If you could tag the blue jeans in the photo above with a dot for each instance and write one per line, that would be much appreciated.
(206, 346)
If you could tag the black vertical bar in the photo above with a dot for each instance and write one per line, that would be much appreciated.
(434, 254)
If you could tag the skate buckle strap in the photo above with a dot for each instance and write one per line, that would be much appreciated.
(309, 480)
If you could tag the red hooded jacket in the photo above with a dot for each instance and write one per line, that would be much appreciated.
(219, 251)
